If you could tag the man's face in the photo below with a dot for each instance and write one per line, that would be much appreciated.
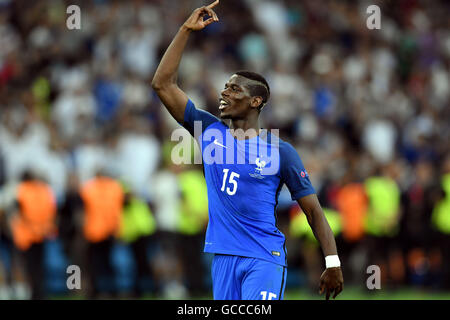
(236, 101)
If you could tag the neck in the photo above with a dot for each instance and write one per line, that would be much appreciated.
(249, 126)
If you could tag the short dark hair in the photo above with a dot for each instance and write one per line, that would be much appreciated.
(27, 175)
(262, 90)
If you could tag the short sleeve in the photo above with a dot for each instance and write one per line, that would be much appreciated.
(193, 115)
(293, 173)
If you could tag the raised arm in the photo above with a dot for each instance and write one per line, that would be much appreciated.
(331, 279)
(165, 79)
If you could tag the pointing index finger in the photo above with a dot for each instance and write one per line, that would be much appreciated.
(212, 5)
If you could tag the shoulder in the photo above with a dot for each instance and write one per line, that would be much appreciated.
(194, 113)
(287, 150)
(289, 156)
(194, 116)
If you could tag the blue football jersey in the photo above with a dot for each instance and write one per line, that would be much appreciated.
(244, 179)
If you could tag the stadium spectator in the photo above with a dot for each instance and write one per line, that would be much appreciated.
(70, 222)
(167, 203)
(136, 144)
(415, 234)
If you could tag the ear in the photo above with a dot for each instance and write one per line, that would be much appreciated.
(256, 102)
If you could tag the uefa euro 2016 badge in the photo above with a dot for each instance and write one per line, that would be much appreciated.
(260, 164)
(303, 173)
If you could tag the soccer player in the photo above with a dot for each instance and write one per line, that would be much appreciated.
(250, 256)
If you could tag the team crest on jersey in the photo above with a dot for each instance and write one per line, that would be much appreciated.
(260, 164)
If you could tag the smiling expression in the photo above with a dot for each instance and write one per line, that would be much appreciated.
(236, 101)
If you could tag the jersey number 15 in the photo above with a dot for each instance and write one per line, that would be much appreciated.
(231, 180)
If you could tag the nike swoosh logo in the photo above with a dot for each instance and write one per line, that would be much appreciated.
(219, 144)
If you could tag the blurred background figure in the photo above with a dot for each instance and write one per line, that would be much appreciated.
(311, 257)
(441, 225)
(137, 225)
(192, 226)
(2, 170)
(367, 110)
(31, 225)
(383, 217)
(70, 222)
(352, 203)
(103, 200)
(167, 204)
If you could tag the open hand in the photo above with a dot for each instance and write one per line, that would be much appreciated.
(195, 21)
(331, 280)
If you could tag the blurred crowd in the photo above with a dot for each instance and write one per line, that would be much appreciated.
(85, 170)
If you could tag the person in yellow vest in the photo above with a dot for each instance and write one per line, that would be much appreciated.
(191, 227)
(383, 224)
(103, 203)
(33, 223)
(441, 212)
(299, 228)
(137, 224)
(440, 220)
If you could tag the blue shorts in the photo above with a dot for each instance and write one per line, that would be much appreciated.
(242, 278)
